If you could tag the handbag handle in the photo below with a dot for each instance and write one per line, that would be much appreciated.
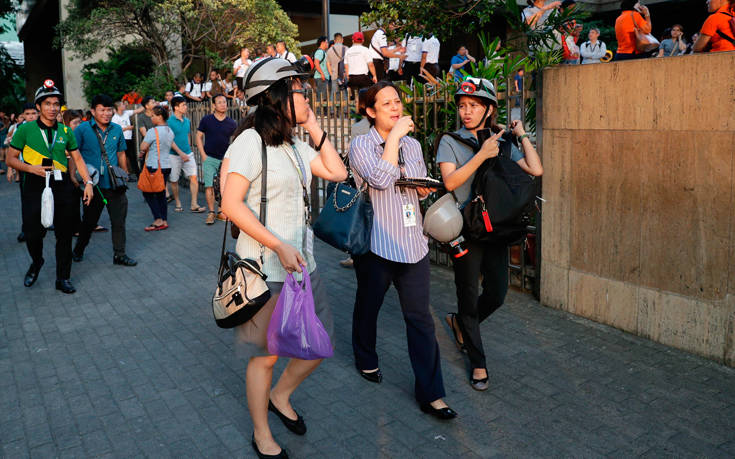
(158, 147)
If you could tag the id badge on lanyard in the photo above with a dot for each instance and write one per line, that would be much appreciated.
(408, 210)
(57, 172)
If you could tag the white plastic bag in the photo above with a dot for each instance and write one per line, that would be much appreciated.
(47, 204)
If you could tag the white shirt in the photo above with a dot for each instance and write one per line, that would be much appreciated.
(285, 208)
(379, 41)
(413, 48)
(288, 55)
(195, 89)
(393, 62)
(431, 48)
(241, 71)
(124, 121)
(357, 58)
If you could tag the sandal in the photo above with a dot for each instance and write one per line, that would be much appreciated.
(178, 209)
(151, 227)
(451, 319)
(169, 199)
(197, 210)
(161, 227)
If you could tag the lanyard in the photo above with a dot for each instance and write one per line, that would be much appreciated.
(103, 145)
(53, 142)
(302, 175)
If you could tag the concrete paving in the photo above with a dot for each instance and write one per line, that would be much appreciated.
(134, 365)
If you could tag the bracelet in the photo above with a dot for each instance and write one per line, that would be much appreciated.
(321, 142)
(89, 182)
(524, 136)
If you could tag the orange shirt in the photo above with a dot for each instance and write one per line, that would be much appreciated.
(625, 30)
(719, 21)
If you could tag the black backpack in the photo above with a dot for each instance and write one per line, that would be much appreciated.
(500, 195)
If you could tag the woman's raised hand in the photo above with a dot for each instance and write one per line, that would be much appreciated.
(403, 126)
(490, 148)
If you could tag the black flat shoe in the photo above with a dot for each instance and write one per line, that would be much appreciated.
(296, 426)
(440, 413)
(21, 237)
(373, 376)
(32, 274)
(65, 286)
(281, 455)
(123, 260)
(77, 257)
(479, 384)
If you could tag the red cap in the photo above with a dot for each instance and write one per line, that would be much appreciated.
(358, 36)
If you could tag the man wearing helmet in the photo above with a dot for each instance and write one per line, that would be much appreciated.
(44, 145)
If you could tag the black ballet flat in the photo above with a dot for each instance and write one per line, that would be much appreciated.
(281, 455)
(296, 426)
(439, 413)
(373, 376)
(479, 384)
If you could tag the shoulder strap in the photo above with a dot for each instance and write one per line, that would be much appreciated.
(158, 146)
(473, 145)
(725, 36)
(263, 184)
(102, 145)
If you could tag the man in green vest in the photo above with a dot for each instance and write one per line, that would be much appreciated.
(37, 148)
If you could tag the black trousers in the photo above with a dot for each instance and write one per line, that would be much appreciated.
(411, 70)
(491, 262)
(64, 201)
(374, 277)
(379, 68)
(117, 209)
(133, 165)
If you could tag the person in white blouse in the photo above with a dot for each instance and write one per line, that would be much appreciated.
(430, 56)
(240, 67)
(284, 244)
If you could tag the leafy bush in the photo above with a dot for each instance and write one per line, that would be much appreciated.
(124, 70)
(155, 84)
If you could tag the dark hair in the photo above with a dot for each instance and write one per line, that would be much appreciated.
(271, 118)
(104, 100)
(70, 115)
(281, 41)
(258, 52)
(331, 42)
(244, 48)
(567, 3)
(626, 5)
(371, 96)
(176, 101)
(161, 111)
(338, 35)
(29, 106)
(214, 98)
(666, 34)
(361, 100)
(321, 40)
(146, 99)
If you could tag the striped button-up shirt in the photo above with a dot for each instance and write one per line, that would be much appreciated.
(390, 239)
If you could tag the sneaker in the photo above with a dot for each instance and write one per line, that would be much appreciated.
(210, 218)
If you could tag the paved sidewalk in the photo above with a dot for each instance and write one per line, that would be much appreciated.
(133, 365)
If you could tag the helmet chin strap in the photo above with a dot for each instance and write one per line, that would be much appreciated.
(482, 120)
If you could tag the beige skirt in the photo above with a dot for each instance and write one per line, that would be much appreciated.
(250, 337)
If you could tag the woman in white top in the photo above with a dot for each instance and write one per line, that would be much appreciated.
(285, 243)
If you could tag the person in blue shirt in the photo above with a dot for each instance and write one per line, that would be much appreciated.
(90, 135)
(185, 162)
(459, 61)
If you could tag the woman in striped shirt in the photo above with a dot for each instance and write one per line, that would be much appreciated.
(399, 249)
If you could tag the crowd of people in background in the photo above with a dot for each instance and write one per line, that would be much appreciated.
(716, 34)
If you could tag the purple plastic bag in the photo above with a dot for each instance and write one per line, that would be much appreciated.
(295, 330)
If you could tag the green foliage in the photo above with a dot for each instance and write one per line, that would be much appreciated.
(120, 73)
(155, 84)
(201, 29)
(441, 17)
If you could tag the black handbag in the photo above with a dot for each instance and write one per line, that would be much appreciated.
(346, 221)
(241, 289)
(118, 175)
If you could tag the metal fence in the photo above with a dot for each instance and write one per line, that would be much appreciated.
(432, 109)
